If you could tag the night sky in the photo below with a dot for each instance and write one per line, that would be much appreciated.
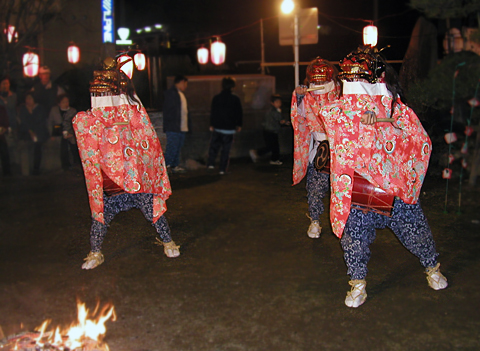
(191, 22)
(188, 20)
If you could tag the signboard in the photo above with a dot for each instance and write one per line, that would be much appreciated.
(307, 27)
(107, 21)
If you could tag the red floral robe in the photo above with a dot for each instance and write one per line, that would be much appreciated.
(118, 138)
(304, 125)
(391, 156)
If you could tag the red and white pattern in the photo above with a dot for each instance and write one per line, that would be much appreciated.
(118, 138)
(304, 125)
(391, 156)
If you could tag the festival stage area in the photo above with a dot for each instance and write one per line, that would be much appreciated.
(248, 277)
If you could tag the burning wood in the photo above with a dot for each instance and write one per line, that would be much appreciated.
(86, 335)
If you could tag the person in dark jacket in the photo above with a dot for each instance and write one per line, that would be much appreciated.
(272, 124)
(225, 119)
(4, 153)
(45, 92)
(32, 131)
(175, 122)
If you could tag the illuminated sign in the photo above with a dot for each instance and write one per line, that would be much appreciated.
(107, 19)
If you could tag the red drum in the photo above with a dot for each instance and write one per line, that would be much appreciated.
(367, 197)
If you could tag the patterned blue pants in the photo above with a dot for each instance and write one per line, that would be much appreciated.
(173, 150)
(408, 223)
(125, 202)
(318, 184)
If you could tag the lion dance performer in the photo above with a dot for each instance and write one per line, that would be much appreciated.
(392, 156)
(122, 160)
(323, 87)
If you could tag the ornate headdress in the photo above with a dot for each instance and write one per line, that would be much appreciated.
(363, 63)
(320, 70)
(109, 80)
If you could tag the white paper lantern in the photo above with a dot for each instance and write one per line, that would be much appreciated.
(73, 53)
(202, 55)
(370, 35)
(139, 60)
(217, 51)
(30, 64)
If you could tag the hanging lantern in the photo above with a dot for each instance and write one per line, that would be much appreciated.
(11, 34)
(217, 52)
(202, 55)
(139, 60)
(30, 64)
(450, 138)
(370, 35)
(127, 68)
(447, 173)
(73, 53)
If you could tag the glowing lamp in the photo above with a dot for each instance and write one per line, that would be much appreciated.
(11, 33)
(139, 60)
(127, 68)
(30, 64)
(217, 52)
(73, 53)
(202, 55)
(370, 35)
(287, 6)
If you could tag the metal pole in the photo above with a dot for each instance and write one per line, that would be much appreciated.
(262, 67)
(295, 48)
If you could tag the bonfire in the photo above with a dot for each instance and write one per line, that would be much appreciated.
(85, 335)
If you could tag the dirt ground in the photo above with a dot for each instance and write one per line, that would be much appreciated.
(248, 277)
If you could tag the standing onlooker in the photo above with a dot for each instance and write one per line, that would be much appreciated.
(4, 155)
(9, 99)
(60, 123)
(45, 92)
(175, 122)
(225, 120)
(271, 127)
(32, 132)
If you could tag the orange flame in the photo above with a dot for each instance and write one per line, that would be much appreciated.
(85, 331)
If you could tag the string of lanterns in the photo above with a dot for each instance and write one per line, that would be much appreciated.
(31, 60)
(217, 53)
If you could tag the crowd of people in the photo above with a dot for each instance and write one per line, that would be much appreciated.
(43, 115)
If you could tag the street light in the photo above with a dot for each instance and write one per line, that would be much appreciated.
(287, 7)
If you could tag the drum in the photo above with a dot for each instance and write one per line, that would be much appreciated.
(367, 197)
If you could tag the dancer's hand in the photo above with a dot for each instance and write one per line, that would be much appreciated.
(369, 118)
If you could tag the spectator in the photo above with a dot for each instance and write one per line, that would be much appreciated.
(60, 123)
(32, 132)
(45, 92)
(225, 120)
(272, 124)
(8, 99)
(175, 122)
(4, 154)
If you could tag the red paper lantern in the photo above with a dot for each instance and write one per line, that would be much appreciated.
(139, 60)
(30, 64)
(217, 51)
(370, 35)
(202, 55)
(127, 68)
(73, 53)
